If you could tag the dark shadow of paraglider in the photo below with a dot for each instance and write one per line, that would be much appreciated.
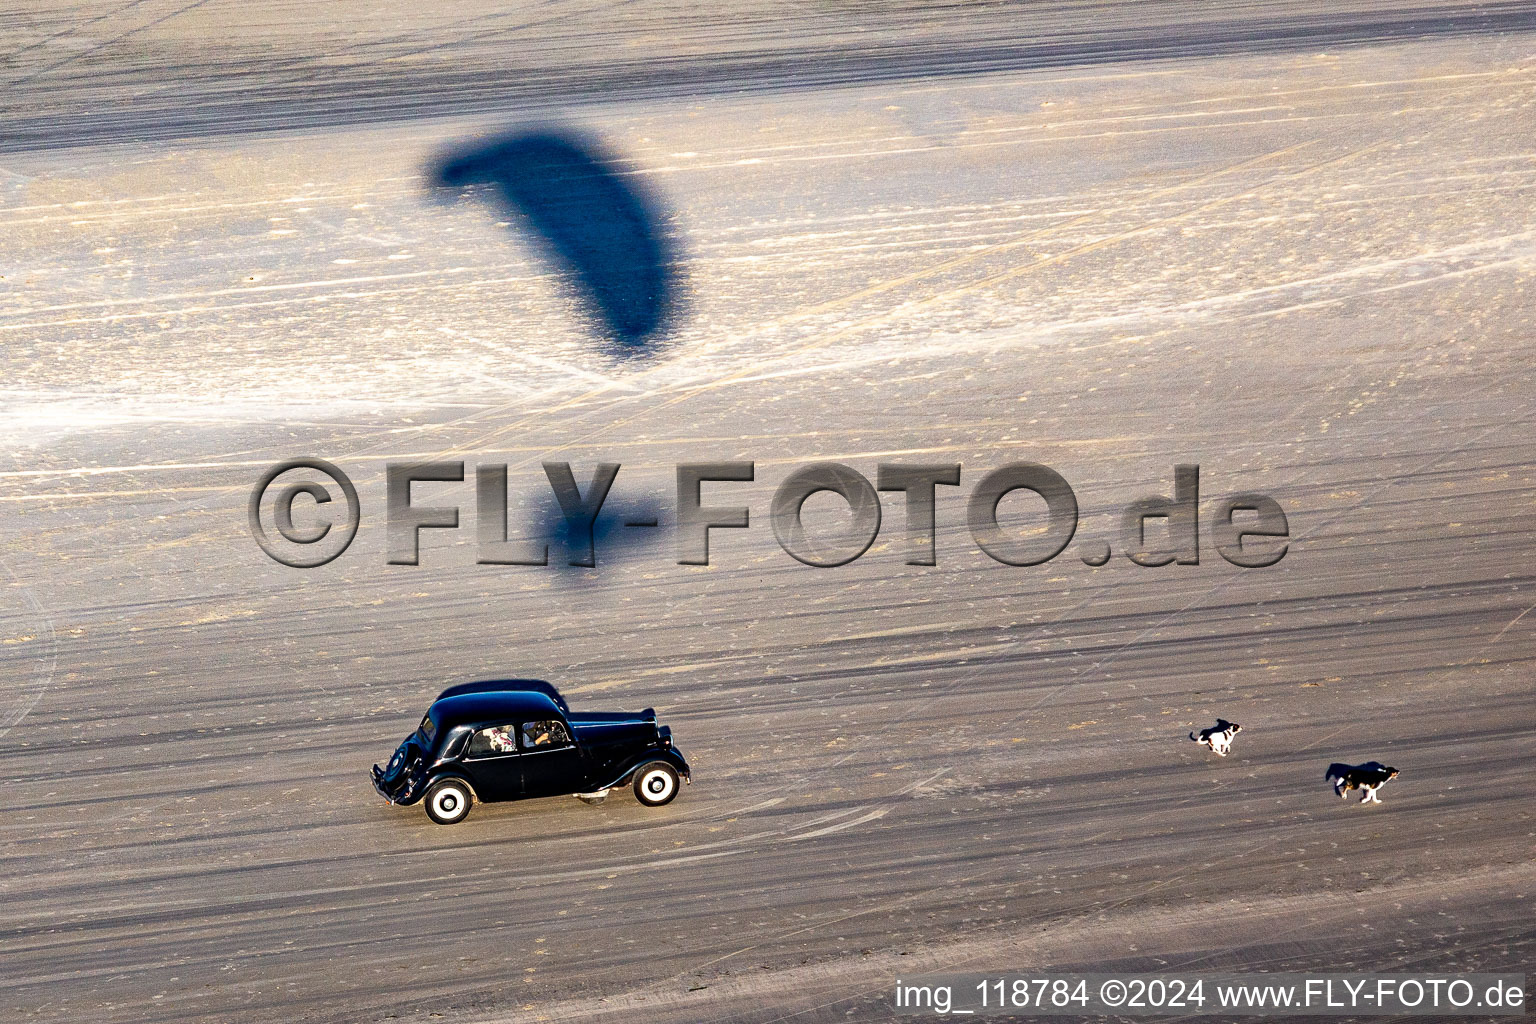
(626, 533)
(598, 226)
(625, 529)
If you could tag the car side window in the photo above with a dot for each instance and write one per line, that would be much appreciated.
(543, 734)
(491, 742)
(455, 745)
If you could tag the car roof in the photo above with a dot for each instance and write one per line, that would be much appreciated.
(489, 685)
(469, 708)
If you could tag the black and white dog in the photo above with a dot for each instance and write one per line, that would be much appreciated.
(1368, 777)
(1219, 736)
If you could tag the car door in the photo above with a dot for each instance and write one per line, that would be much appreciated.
(551, 762)
(492, 762)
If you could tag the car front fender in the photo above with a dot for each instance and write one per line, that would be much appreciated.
(671, 755)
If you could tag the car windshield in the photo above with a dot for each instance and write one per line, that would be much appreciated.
(427, 730)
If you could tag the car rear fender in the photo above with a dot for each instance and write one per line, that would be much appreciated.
(456, 776)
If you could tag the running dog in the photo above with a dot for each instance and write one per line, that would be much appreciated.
(1219, 736)
(1368, 778)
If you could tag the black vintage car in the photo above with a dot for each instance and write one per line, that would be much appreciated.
(511, 739)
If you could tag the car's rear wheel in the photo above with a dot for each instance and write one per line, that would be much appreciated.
(656, 783)
(448, 802)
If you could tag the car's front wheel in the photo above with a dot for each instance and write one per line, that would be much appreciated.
(448, 802)
(656, 783)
